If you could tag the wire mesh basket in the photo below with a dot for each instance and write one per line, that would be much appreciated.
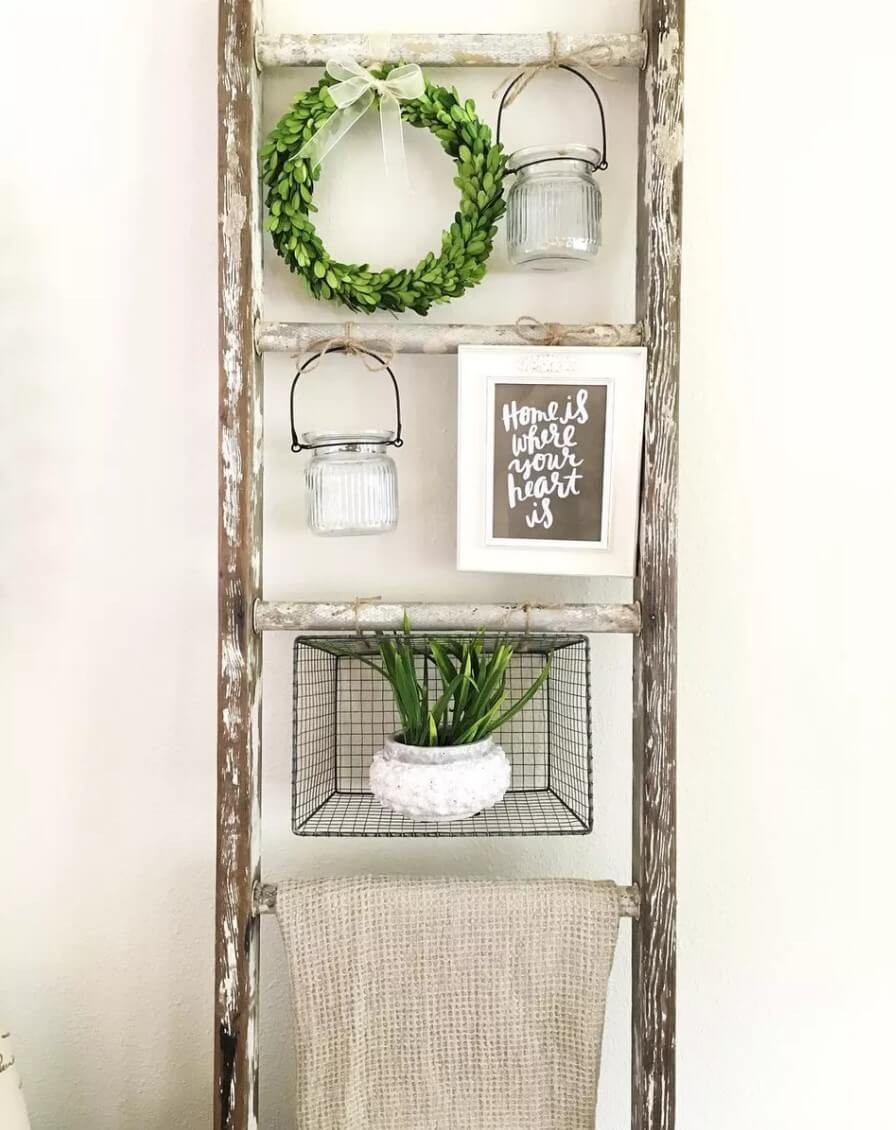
(343, 711)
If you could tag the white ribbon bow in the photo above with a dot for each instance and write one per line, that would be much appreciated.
(354, 94)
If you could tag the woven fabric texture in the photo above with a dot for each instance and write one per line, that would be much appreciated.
(448, 1004)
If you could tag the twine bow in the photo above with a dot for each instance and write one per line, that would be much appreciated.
(375, 356)
(354, 94)
(535, 332)
(584, 58)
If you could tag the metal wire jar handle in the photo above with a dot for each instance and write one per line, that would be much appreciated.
(572, 70)
(397, 441)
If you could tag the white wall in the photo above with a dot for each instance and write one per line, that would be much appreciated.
(109, 359)
(787, 550)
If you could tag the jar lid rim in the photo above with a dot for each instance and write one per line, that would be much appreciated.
(337, 439)
(535, 154)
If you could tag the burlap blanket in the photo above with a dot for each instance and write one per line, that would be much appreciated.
(448, 1004)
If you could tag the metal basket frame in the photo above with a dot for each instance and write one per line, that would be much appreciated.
(343, 710)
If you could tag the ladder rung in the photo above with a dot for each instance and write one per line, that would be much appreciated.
(453, 49)
(264, 900)
(398, 337)
(370, 615)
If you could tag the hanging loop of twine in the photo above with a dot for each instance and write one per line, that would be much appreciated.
(535, 332)
(584, 58)
(357, 604)
(375, 356)
(527, 607)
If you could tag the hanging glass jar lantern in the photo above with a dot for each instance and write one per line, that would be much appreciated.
(351, 485)
(554, 204)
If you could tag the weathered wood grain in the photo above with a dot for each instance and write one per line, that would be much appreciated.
(239, 574)
(453, 49)
(659, 264)
(427, 337)
(372, 615)
(266, 900)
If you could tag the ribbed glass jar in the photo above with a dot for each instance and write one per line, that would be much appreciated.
(351, 486)
(553, 208)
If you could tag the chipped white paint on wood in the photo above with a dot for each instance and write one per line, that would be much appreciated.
(427, 337)
(454, 49)
(265, 901)
(239, 575)
(659, 260)
(370, 615)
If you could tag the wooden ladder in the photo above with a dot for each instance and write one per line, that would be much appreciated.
(243, 53)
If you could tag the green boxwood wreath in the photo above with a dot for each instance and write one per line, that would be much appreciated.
(466, 245)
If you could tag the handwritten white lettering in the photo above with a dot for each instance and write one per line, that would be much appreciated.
(544, 464)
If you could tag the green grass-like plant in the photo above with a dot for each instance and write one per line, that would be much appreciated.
(460, 696)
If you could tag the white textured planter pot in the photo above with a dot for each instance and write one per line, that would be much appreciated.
(13, 1115)
(439, 783)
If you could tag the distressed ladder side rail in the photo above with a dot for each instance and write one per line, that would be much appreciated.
(239, 574)
(659, 265)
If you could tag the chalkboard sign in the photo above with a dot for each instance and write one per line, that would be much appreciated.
(549, 459)
(548, 466)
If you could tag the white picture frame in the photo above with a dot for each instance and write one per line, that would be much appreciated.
(528, 501)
